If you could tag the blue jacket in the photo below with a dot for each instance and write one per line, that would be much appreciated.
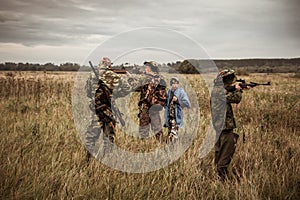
(183, 101)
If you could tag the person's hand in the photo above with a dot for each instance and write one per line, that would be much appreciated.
(248, 87)
(174, 98)
(238, 87)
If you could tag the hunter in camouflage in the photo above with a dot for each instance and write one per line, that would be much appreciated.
(152, 99)
(100, 90)
(100, 105)
(224, 125)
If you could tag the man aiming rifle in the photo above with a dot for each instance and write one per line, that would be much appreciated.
(226, 89)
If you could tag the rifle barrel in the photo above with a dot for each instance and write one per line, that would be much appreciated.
(96, 74)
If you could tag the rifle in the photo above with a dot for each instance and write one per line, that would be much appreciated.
(244, 85)
(117, 112)
(95, 72)
(114, 108)
(119, 71)
(116, 70)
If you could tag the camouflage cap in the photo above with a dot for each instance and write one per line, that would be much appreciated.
(226, 72)
(105, 62)
(174, 80)
(228, 76)
(153, 65)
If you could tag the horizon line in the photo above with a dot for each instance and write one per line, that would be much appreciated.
(215, 59)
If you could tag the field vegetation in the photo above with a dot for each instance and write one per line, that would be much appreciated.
(43, 157)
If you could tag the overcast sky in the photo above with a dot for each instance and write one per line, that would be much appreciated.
(61, 31)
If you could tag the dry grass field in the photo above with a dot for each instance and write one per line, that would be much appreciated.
(42, 156)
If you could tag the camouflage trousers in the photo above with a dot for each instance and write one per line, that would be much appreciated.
(95, 129)
(147, 118)
(172, 126)
(224, 150)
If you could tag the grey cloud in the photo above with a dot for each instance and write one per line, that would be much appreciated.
(61, 22)
(35, 24)
(233, 23)
(291, 8)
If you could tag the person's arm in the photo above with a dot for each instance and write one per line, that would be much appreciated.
(134, 82)
(235, 96)
(182, 98)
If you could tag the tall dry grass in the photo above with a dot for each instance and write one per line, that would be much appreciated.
(42, 156)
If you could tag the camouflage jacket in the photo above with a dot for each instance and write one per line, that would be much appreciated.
(153, 91)
(222, 113)
(112, 86)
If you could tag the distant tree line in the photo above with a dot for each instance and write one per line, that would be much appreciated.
(10, 66)
(187, 66)
(247, 65)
